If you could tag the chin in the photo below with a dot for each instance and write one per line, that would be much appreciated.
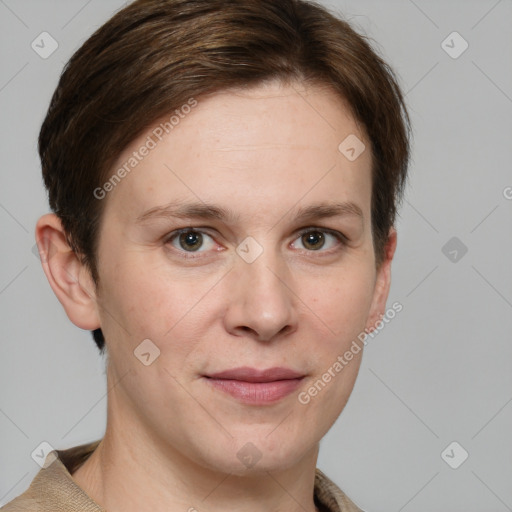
(258, 453)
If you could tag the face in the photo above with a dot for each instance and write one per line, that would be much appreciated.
(243, 239)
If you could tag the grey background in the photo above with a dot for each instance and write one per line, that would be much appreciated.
(439, 372)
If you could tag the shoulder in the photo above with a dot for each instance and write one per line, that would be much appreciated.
(21, 504)
(53, 487)
(331, 497)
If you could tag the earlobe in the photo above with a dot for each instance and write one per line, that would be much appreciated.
(383, 283)
(69, 278)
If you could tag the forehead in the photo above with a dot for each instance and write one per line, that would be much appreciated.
(270, 144)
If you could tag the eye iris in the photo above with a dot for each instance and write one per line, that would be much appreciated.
(191, 240)
(314, 238)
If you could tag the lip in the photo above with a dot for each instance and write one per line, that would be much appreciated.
(248, 374)
(257, 387)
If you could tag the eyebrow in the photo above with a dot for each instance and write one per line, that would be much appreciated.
(207, 211)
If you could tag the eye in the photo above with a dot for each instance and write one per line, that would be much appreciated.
(190, 240)
(314, 239)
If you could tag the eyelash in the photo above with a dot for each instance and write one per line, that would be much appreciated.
(340, 237)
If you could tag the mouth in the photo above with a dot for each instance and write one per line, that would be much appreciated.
(257, 387)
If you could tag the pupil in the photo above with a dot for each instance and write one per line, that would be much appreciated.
(191, 240)
(314, 238)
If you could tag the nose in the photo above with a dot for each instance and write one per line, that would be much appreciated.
(261, 302)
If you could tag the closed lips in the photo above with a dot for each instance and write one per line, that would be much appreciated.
(248, 374)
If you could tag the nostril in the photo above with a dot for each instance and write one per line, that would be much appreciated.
(285, 329)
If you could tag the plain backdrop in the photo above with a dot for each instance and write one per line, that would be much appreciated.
(439, 373)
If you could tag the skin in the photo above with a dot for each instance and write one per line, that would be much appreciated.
(171, 441)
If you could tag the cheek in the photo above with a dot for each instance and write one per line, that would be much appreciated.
(125, 299)
(342, 306)
(342, 303)
(145, 302)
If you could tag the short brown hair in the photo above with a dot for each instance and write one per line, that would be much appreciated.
(154, 55)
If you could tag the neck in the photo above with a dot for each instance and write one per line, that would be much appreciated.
(132, 471)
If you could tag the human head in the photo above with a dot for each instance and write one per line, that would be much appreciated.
(153, 56)
(265, 150)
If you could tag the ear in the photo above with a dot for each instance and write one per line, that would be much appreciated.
(69, 278)
(382, 283)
